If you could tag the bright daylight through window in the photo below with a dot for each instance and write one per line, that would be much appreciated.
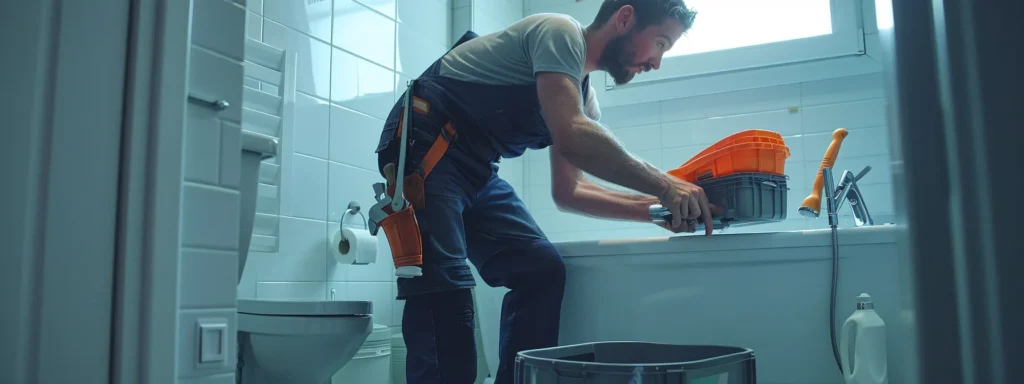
(733, 36)
(726, 24)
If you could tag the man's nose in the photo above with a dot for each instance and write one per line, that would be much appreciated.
(656, 63)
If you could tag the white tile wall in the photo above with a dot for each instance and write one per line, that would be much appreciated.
(351, 57)
(210, 197)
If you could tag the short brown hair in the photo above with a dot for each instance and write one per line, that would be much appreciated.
(648, 12)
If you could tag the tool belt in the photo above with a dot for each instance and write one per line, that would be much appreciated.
(398, 199)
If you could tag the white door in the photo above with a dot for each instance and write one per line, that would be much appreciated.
(91, 116)
(63, 80)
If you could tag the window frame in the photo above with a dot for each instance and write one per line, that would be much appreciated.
(847, 39)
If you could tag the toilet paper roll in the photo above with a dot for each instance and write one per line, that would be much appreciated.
(354, 246)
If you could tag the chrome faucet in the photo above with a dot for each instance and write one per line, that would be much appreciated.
(847, 189)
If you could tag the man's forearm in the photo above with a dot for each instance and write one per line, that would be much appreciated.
(596, 152)
(592, 200)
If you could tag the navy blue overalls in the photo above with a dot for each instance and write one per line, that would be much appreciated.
(469, 212)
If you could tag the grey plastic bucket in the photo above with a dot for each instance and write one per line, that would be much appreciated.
(636, 363)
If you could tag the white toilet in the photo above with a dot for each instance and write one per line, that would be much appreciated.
(295, 342)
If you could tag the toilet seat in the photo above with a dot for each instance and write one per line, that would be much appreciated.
(303, 318)
(305, 308)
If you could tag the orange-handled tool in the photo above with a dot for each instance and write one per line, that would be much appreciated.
(812, 204)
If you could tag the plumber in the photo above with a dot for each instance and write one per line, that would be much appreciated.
(496, 96)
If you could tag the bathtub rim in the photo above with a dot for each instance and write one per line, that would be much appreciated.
(877, 234)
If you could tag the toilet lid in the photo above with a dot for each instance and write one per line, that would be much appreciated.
(305, 308)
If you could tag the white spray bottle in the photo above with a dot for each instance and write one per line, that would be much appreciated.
(867, 362)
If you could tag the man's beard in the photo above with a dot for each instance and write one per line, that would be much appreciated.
(616, 59)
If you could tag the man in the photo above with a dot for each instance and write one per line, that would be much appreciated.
(526, 87)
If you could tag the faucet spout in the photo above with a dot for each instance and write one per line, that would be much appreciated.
(846, 190)
(861, 215)
(845, 182)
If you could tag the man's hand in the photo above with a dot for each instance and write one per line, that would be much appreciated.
(687, 202)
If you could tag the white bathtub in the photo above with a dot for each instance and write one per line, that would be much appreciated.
(764, 291)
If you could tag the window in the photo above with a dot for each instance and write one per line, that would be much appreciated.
(736, 35)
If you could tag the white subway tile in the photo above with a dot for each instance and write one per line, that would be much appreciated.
(796, 148)
(230, 155)
(877, 197)
(308, 187)
(346, 184)
(361, 85)
(540, 199)
(539, 156)
(188, 342)
(208, 281)
(207, 81)
(219, 26)
(291, 290)
(254, 26)
(401, 84)
(731, 103)
(672, 158)
(881, 168)
(798, 176)
(842, 89)
(653, 156)
(462, 20)
(640, 138)
(683, 133)
(364, 32)
(309, 17)
(851, 115)
(784, 122)
(300, 257)
(312, 121)
(379, 293)
(354, 137)
(209, 217)
(313, 69)
(202, 146)
(255, 6)
(538, 173)
(795, 198)
(511, 170)
(424, 22)
(859, 142)
(625, 116)
(385, 7)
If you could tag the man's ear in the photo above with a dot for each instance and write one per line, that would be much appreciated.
(624, 19)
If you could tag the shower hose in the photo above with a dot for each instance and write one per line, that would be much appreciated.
(832, 300)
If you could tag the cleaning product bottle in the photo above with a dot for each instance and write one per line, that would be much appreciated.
(864, 362)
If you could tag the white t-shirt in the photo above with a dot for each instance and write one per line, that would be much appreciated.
(546, 42)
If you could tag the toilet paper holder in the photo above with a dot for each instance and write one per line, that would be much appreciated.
(353, 209)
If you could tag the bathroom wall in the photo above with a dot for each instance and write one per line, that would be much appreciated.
(354, 57)
(669, 132)
(210, 200)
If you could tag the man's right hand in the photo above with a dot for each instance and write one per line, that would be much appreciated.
(686, 201)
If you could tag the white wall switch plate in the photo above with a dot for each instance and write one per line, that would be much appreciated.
(213, 340)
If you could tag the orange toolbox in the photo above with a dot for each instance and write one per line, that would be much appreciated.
(751, 151)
